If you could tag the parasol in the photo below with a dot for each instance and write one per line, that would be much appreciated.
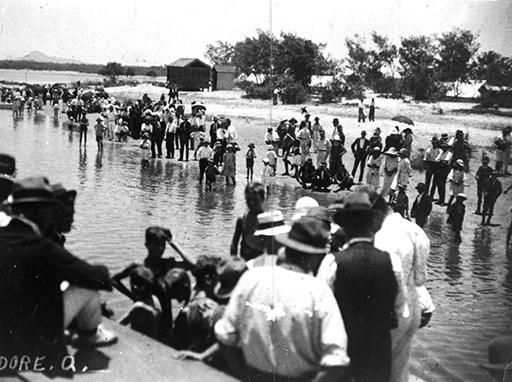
(403, 119)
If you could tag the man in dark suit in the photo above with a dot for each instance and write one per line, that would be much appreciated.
(422, 206)
(360, 149)
(184, 130)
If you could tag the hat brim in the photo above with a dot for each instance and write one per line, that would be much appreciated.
(33, 200)
(273, 231)
(221, 292)
(299, 246)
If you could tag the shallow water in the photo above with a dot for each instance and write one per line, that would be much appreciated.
(471, 284)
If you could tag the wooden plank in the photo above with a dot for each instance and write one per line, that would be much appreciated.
(134, 357)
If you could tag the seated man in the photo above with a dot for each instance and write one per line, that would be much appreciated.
(322, 179)
(43, 286)
(282, 323)
(306, 173)
(343, 178)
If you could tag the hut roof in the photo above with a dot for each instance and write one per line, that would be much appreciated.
(186, 62)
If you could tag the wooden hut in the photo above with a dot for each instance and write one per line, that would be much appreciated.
(223, 77)
(189, 74)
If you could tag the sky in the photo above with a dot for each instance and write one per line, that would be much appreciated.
(157, 32)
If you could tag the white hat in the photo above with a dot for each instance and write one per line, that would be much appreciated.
(271, 223)
(303, 205)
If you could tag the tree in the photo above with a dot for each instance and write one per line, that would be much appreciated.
(418, 66)
(255, 54)
(151, 73)
(387, 54)
(129, 71)
(456, 56)
(494, 68)
(296, 56)
(221, 53)
(112, 70)
(365, 63)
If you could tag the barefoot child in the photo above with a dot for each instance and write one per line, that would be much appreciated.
(211, 174)
(456, 213)
(249, 160)
(144, 145)
(271, 155)
(267, 177)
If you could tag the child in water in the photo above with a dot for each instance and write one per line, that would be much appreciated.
(456, 213)
(249, 160)
(144, 145)
(267, 176)
(211, 175)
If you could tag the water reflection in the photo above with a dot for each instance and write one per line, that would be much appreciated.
(482, 266)
(82, 165)
(453, 269)
(507, 284)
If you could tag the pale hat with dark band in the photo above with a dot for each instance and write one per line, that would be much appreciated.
(271, 223)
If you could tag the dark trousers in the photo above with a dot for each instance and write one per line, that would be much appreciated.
(371, 114)
(488, 209)
(169, 145)
(184, 147)
(440, 180)
(480, 195)
(370, 357)
(361, 161)
(158, 143)
(203, 163)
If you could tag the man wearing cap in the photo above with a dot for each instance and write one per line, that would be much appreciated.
(281, 323)
(360, 150)
(370, 292)
(43, 286)
(422, 205)
(431, 164)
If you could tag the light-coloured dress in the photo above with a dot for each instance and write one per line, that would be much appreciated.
(229, 169)
(373, 173)
(390, 169)
(404, 172)
(456, 178)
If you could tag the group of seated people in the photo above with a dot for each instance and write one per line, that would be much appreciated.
(320, 179)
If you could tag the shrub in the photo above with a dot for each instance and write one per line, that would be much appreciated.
(252, 90)
(293, 93)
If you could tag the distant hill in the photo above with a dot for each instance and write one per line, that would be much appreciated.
(41, 57)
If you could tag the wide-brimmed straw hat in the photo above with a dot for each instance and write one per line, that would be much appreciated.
(271, 223)
(307, 235)
(229, 272)
(31, 190)
(303, 205)
(391, 151)
(460, 195)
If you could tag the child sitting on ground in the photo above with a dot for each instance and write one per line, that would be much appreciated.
(211, 175)
(146, 312)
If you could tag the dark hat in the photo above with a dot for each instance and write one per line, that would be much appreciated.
(317, 118)
(7, 164)
(321, 213)
(434, 139)
(357, 202)
(292, 120)
(444, 135)
(421, 187)
(308, 235)
(486, 158)
(229, 272)
(500, 354)
(63, 195)
(251, 145)
(407, 130)
(31, 190)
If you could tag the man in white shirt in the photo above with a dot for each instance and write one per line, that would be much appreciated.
(282, 323)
